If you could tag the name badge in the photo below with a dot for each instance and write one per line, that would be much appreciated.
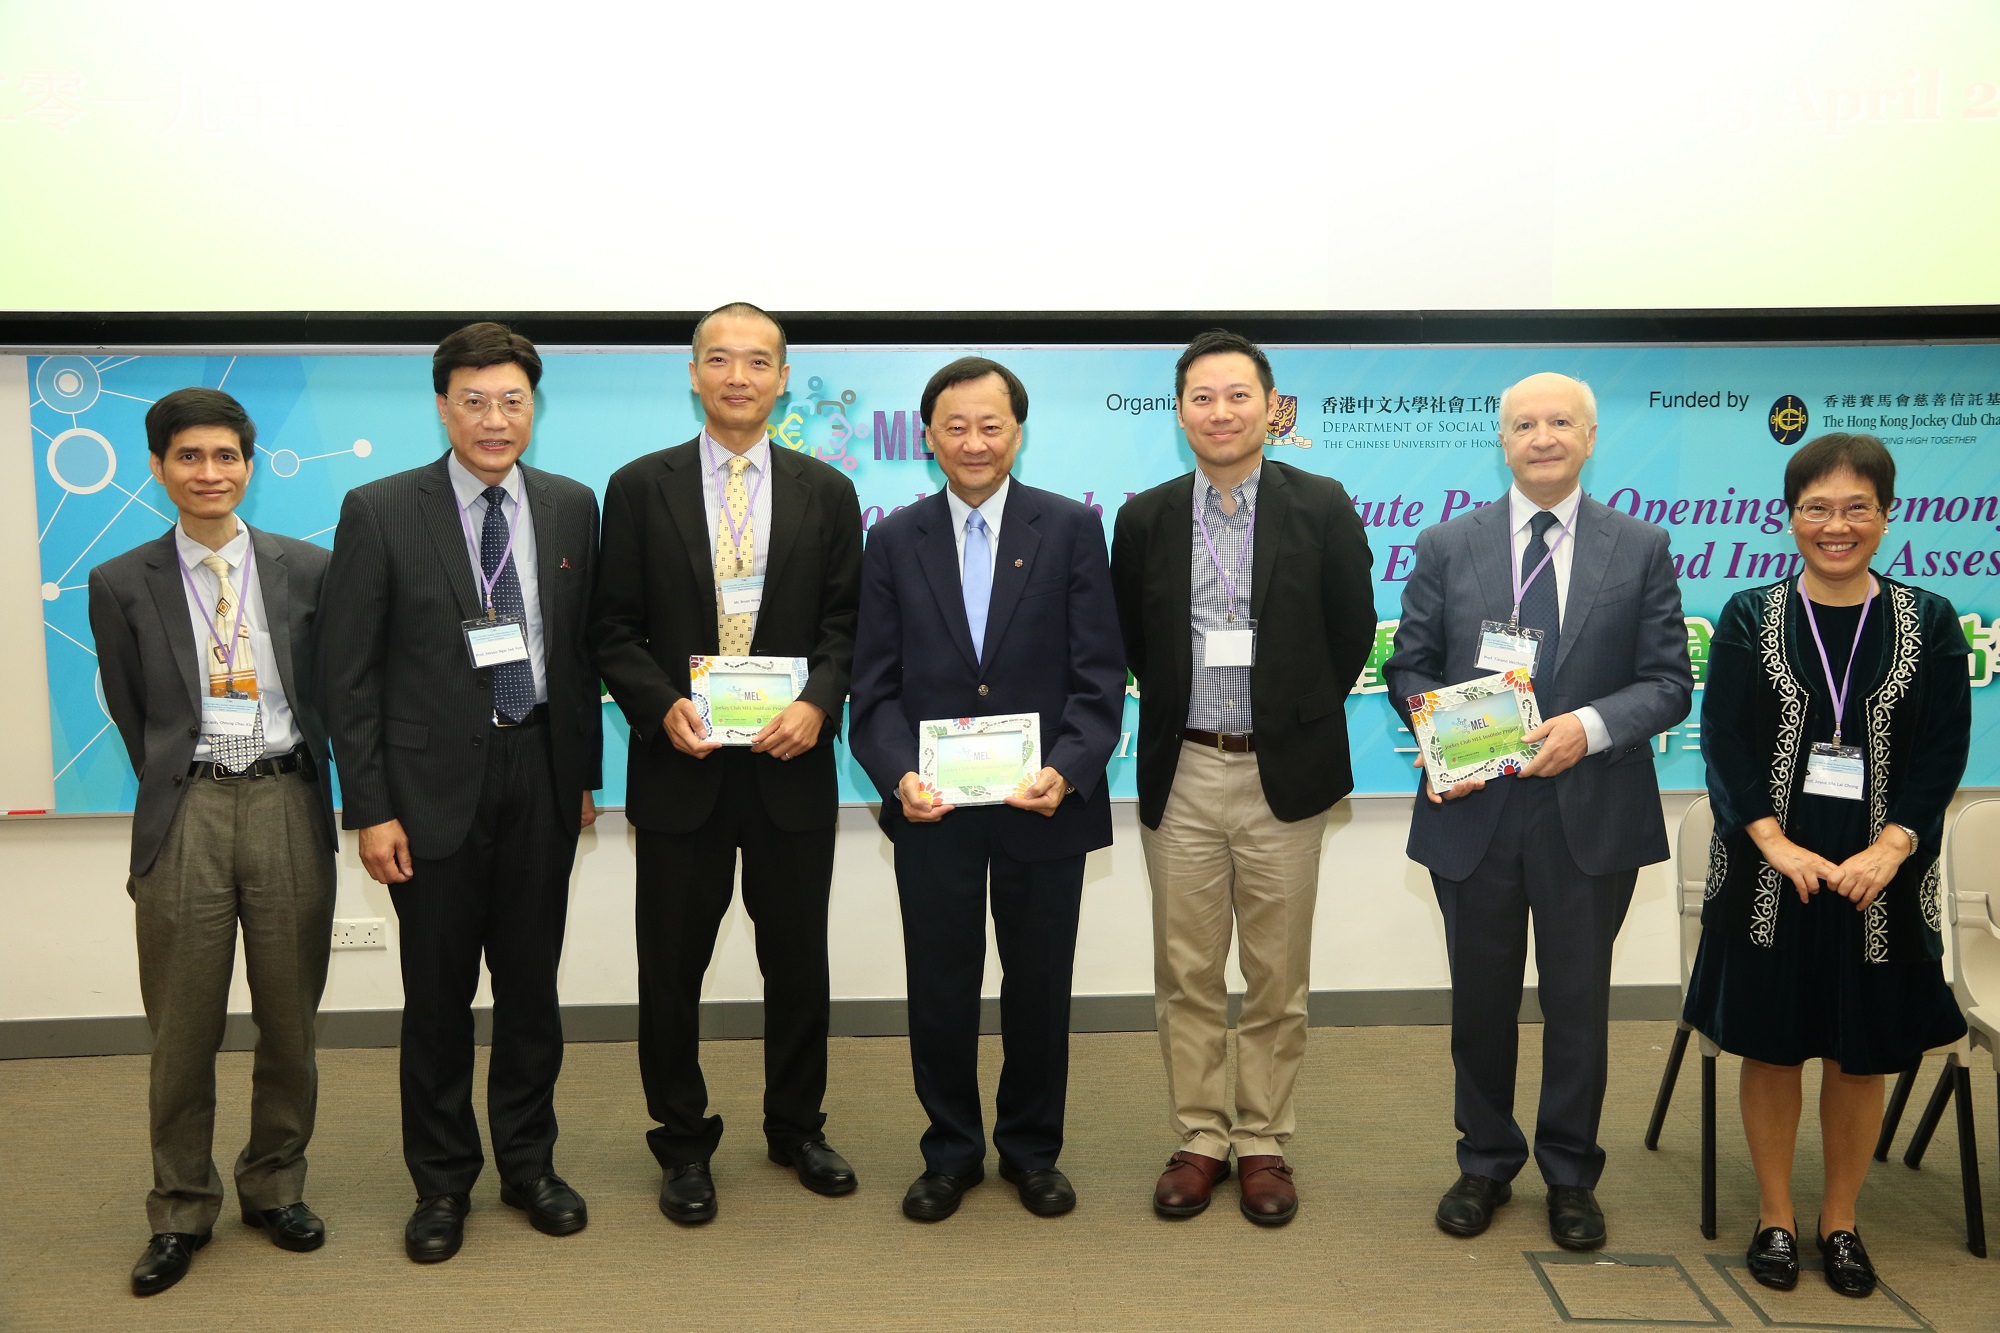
(1834, 770)
(744, 596)
(1230, 647)
(1504, 649)
(492, 642)
(229, 715)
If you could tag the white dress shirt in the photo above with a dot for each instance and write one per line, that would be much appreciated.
(991, 511)
(1521, 514)
(715, 476)
(471, 494)
(281, 732)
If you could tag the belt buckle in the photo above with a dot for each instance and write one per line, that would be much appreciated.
(1221, 743)
(216, 773)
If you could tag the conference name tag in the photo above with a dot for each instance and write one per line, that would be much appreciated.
(1834, 770)
(1507, 649)
(744, 596)
(229, 715)
(492, 642)
(1230, 647)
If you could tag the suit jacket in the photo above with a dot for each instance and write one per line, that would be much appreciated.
(410, 714)
(153, 677)
(1051, 648)
(1309, 593)
(655, 607)
(1622, 650)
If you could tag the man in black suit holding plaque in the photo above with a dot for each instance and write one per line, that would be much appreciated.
(989, 599)
(730, 545)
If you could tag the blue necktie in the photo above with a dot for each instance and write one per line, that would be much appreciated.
(977, 579)
(1539, 608)
(513, 682)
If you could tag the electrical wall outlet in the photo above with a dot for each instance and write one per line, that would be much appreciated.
(366, 933)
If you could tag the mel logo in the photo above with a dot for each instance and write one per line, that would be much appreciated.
(1789, 419)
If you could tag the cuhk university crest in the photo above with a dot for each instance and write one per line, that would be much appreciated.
(1285, 416)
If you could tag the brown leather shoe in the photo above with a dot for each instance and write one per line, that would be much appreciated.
(1269, 1199)
(1186, 1184)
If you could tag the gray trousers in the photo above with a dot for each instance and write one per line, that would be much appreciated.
(249, 851)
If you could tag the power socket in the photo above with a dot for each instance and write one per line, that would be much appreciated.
(366, 933)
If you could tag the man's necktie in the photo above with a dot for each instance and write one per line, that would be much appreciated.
(232, 754)
(513, 682)
(977, 579)
(1539, 608)
(735, 558)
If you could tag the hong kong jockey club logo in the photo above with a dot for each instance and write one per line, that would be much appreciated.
(1284, 416)
(1789, 419)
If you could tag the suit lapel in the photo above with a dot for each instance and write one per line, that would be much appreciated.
(442, 519)
(1172, 537)
(274, 582)
(1588, 565)
(937, 547)
(680, 491)
(163, 578)
(548, 552)
(1274, 502)
(790, 496)
(1493, 558)
(1019, 540)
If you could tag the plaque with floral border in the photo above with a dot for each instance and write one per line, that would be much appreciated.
(1473, 731)
(736, 696)
(978, 760)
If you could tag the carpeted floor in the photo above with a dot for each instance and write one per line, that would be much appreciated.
(1373, 1152)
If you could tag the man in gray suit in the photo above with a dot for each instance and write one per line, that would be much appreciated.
(204, 644)
(1590, 595)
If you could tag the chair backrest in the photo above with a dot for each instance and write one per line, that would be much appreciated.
(1691, 868)
(1972, 884)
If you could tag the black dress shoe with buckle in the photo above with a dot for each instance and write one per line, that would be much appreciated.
(1575, 1220)
(687, 1193)
(1045, 1192)
(1847, 1268)
(1467, 1207)
(553, 1208)
(820, 1169)
(934, 1196)
(1774, 1258)
(436, 1230)
(165, 1261)
(294, 1227)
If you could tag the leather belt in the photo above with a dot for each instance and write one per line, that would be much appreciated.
(270, 766)
(536, 716)
(1240, 742)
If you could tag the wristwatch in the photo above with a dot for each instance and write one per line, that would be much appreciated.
(1911, 834)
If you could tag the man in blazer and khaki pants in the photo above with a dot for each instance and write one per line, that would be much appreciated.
(205, 648)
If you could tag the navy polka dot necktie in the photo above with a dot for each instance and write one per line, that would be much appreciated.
(513, 682)
(1539, 608)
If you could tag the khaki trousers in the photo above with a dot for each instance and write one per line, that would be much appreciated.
(1220, 857)
(248, 850)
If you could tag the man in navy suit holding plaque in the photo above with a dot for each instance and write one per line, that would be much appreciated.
(989, 599)
(1585, 596)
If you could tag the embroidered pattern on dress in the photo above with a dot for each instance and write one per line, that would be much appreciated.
(1929, 898)
(1906, 641)
(1718, 868)
(1791, 693)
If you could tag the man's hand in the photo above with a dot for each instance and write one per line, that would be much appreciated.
(1465, 788)
(1563, 743)
(385, 852)
(1863, 876)
(919, 805)
(589, 811)
(1042, 795)
(792, 732)
(687, 731)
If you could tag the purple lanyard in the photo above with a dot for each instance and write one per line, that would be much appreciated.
(487, 585)
(1522, 585)
(228, 649)
(1228, 576)
(749, 510)
(1847, 677)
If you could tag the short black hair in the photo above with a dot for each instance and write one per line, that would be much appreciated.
(1221, 340)
(477, 346)
(739, 308)
(969, 368)
(184, 409)
(1864, 455)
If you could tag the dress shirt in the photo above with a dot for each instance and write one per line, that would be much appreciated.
(1521, 514)
(715, 476)
(471, 494)
(992, 511)
(281, 732)
(1219, 697)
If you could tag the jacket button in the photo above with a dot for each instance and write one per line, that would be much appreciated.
(982, 691)
(194, 731)
(178, 777)
(478, 741)
(485, 682)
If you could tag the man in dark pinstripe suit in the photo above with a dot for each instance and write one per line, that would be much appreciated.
(465, 722)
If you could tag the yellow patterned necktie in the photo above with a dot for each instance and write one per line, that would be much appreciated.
(735, 557)
(237, 677)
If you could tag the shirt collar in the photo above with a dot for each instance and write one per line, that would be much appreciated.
(1521, 510)
(233, 550)
(991, 511)
(469, 488)
(714, 454)
(1247, 487)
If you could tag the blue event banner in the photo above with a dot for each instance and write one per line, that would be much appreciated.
(1692, 438)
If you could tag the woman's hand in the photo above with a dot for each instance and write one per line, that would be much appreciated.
(1805, 869)
(1864, 875)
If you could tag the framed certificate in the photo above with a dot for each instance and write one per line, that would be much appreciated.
(1474, 730)
(736, 696)
(979, 760)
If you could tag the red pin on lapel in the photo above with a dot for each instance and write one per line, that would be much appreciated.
(565, 562)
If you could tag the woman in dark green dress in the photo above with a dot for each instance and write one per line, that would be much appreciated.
(1821, 926)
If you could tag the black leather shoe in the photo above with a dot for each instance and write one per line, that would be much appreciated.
(1774, 1258)
(436, 1230)
(165, 1261)
(1847, 1268)
(687, 1193)
(1575, 1220)
(1045, 1193)
(820, 1168)
(553, 1208)
(934, 1196)
(293, 1227)
(1467, 1207)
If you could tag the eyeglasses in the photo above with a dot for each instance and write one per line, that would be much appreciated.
(1822, 513)
(478, 404)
